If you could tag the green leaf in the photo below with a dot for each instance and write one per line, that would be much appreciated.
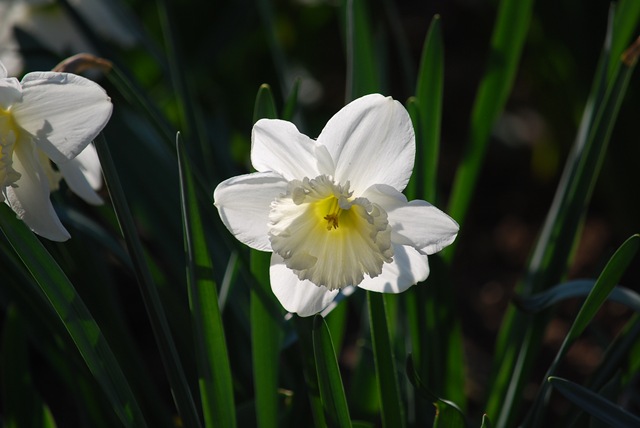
(266, 322)
(191, 121)
(486, 423)
(216, 383)
(447, 416)
(436, 334)
(73, 313)
(157, 317)
(265, 106)
(362, 66)
(594, 404)
(292, 101)
(387, 379)
(23, 406)
(507, 42)
(429, 89)
(521, 335)
(577, 288)
(625, 23)
(334, 401)
(304, 328)
(448, 413)
(607, 280)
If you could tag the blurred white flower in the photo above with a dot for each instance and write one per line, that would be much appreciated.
(51, 25)
(331, 210)
(48, 116)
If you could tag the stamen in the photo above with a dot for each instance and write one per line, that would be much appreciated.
(334, 214)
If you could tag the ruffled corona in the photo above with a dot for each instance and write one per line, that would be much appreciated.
(327, 236)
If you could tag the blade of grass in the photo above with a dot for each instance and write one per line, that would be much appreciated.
(625, 23)
(429, 90)
(216, 384)
(79, 323)
(23, 406)
(362, 67)
(266, 328)
(594, 404)
(265, 105)
(191, 119)
(329, 380)
(604, 285)
(304, 328)
(454, 415)
(153, 304)
(571, 289)
(387, 379)
(507, 42)
(265, 8)
(292, 101)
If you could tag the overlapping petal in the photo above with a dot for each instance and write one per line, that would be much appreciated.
(278, 146)
(371, 141)
(30, 198)
(244, 203)
(10, 91)
(301, 297)
(63, 112)
(409, 267)
(83, 174)
(416, 223)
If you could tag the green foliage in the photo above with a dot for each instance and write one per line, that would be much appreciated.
(154, 315)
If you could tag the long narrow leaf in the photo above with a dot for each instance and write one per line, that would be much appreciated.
(507, 42)
(75, 316)
(607, 280)
(362, 67)
(453, 416)
(329, 379)
(266, 328)
(572, 289)
(23, 406)
(216, 384)
(387, 379)
(429, 92)
(595, 405)
(168, 353)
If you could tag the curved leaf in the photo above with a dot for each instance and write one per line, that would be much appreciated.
(578, 288)
(329, 379)
(594, 404)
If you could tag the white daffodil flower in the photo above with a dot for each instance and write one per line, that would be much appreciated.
(47, 116)
(331, 210)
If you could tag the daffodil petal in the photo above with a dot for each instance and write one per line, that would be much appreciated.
(278, 146)
(301, 297)
(244, 203)
(10, 92)
(409, 267)
(371, 141)
(416, 223)
(83, 174)
(63, 112)
(30, 198)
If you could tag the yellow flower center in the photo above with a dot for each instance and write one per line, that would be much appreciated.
(8, 137)
(327, 236)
